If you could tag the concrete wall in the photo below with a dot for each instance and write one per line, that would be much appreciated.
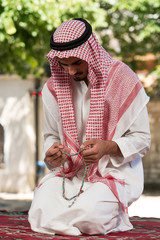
(17, 119)
(151, 161)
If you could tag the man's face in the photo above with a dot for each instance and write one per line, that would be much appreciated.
(75, 67)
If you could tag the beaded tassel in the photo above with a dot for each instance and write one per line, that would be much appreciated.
(63, 184)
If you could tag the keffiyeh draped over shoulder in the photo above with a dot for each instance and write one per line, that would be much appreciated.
(113, 87)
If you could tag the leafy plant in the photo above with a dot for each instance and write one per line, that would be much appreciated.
(26, 27)
(135, 28)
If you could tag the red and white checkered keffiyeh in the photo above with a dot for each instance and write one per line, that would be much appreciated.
(111, 94)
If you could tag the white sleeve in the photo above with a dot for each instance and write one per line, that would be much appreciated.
(135, 142)
(51, 129)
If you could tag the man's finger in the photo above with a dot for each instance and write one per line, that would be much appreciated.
(52, 151)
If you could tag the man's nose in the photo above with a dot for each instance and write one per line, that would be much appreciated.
(72, 70)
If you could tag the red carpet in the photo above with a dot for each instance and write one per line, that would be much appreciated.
(14, 226)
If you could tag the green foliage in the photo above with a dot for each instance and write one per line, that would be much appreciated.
(26, 27)
(126, 29)
(135, 25)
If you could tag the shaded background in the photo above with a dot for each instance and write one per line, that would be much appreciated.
(129, 30)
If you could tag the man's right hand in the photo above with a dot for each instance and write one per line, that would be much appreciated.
(55, 156)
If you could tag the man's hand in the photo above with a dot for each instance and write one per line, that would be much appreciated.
(54, 156)
(96, 149)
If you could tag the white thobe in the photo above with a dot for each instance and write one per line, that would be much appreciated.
(96, 210)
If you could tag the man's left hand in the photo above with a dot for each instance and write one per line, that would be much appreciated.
(96, 149)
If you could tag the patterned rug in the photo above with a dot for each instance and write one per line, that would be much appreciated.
(14, 226)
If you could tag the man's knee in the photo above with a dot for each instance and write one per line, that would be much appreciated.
(100, 219)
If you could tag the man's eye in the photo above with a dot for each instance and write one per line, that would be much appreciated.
(78, 63)
(63, 65)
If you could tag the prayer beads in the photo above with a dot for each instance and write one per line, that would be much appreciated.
(73, 154)
(74, 198)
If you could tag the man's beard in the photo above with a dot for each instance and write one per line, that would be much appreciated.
(79, 78)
